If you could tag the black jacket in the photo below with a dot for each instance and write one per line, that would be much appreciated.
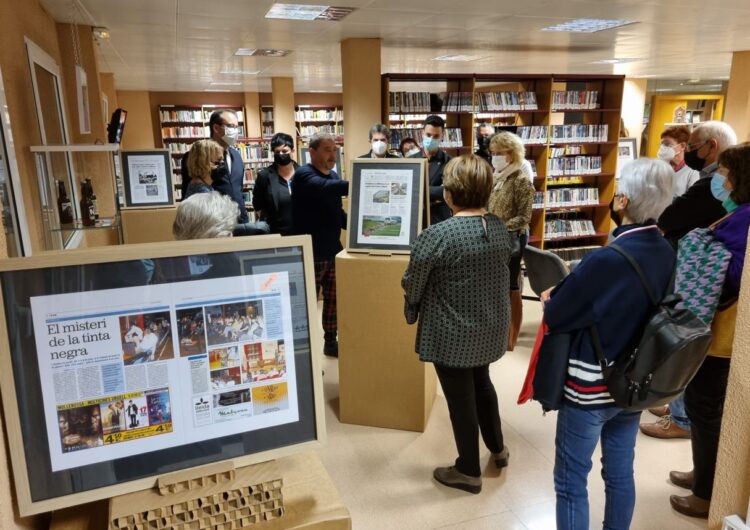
(266, 199)
(388, 154)
(484, 154)
(696, 208)
(439, 210)
(224, 182)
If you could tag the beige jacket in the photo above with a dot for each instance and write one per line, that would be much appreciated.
(512, 198)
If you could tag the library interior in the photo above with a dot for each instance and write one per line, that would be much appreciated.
(504, 238)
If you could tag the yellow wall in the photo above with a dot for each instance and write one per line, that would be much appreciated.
(139, 127)
(107, 84)
(662, 112)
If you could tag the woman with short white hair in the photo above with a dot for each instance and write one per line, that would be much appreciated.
(604, 292)
(205, 216)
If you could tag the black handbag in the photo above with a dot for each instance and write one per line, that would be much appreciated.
(552, 370)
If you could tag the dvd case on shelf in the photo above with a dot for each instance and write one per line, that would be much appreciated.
(575, 100)
(579, 133)
(502, 101)
(574, 165)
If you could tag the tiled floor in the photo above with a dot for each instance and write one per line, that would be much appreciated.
(384, 476)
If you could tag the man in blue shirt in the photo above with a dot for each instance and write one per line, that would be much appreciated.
(317, 210)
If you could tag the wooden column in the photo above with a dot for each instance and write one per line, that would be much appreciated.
(633, 103)
(360, 74)
(252, 115)
(283, 105)
(738, 96)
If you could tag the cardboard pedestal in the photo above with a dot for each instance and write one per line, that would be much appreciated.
(147, 225)
(311, 502)
(382, 382)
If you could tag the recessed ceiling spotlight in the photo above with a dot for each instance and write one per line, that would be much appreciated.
(101, 33)
(308, 12)
(622, 60)
(589, 25)
(457, 58)
(261, 52)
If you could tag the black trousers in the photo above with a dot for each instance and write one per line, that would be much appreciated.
(472, 404)
(704, 403)
(514, 265)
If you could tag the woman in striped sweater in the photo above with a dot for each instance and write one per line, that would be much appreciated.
(604, 291)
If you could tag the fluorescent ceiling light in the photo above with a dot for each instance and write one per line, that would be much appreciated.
(261, 52)
(217, 90)
(225, 83)
(240, 72)
(307, 12)
(457, 58)
(245, 51)
(589, 25)
(617, 61)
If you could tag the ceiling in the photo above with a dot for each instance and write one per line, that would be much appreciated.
(183, 45)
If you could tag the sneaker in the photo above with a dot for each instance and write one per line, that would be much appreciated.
(453, 478)
(331, 348)
(501, 458)
(665, 429)
(660, 411)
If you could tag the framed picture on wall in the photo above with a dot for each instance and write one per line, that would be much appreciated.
(386, 204)
(626, 152)
(148, 178)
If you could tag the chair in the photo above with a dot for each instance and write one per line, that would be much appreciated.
(544, 269)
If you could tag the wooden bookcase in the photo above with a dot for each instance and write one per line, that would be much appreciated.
(266, 121)
(599, 186)
(181, 125)
(256, 155)
(310, 119)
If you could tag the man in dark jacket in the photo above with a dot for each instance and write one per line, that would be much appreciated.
(317, 210)
(434, 127)
(380, 138)
(229, 176)
(697, 207)
(485, 132)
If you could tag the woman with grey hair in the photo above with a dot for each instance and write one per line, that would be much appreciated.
(205, 216)
(605, 292)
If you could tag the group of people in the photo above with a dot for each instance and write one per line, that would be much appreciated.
(461, 269)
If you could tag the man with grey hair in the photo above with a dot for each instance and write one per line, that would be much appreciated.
(380, 137)
(697, 207)
(317, 210)
(485, 132)
(205, 216)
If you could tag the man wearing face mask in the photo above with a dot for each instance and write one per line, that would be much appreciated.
(674, 141)
(697, 207)
(272, 192)
(485, 132)
(228, 177)
(432, 133)
(380, 137)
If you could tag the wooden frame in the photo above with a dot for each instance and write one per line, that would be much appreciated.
(626, 152)
(17, 448)
(418, 180)
(164, 156)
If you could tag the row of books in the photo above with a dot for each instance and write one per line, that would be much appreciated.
(268, 131)
(185, 132)
(409, 102)
(575, 99)
(457, 101)
(451, 136)
(500, 101)
(267, 115)
(577, 133)
(559, 228)
(556, 152)
(533, 134)
(562, 197)
(178, 147)
(309, 130)
(573, 253)
(395, 118)
(255, 152)
(319, 115)
(574, 165)
(197, 116)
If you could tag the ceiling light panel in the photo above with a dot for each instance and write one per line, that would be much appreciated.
(308, 12)
(458, 58)
(589, 25)
(261, 52)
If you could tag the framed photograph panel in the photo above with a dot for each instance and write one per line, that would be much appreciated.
(386, 201)
(122, 364)
(148, 178)
(626, 151)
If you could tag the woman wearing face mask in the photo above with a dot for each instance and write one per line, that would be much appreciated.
(205, 156)
(704, 396)
(674, 142)
(380, 137)
(272, 195)
(409, 147)
(511, 200)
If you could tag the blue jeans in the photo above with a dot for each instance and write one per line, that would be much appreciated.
(677, 411)
(578, 432)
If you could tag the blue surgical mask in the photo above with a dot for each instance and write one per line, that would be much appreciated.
(430, 144)
(718, 190)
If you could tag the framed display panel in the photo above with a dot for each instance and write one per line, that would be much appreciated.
(385, 210)
(122, 364)
(304, 153)
(148, 178)
(626, 152)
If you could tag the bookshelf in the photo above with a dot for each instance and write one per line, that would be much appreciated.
(266, 123)
(256, 155)
(311, 119)
(182, 125)
(569, 124)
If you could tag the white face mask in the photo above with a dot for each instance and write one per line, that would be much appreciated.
(378, 147)
(499, 162)
(666, 153)
(230, 135)
(413, 151)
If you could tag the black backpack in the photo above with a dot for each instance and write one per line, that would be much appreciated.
(658, 365)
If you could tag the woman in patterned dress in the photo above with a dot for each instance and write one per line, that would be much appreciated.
(457, 286)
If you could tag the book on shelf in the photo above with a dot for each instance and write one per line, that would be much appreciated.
(563, 197)
(185, 132)
(538, 203)
(574, 165)
(309, 130)
(533, 134)
(579, 133)
(501, 101)
(268, 130)
(255, 151)
(267, 115)
(412, 117)
(409, 102)
(178, 147)
(194, 115)
(555, 152)
(457, 101)
(319, 115)
(560, 228)
(532, 162)
(575, 100)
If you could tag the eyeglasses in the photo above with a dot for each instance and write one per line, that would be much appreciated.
(695, 147)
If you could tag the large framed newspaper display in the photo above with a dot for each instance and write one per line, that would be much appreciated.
(385, 212)
(122, 364)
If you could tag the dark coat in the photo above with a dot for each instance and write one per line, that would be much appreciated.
(224, 182)
(439, 210)
(696, 208)
(267, 197)
(388, 154)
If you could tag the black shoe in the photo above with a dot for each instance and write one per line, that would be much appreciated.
(501, 458)
(453, 478)
(331, 348)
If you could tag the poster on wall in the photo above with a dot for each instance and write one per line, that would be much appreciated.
(126, 370)
(386, 204)
(626, 152)
(148, 178)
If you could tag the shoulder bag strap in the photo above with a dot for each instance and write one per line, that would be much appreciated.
(639, 271)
